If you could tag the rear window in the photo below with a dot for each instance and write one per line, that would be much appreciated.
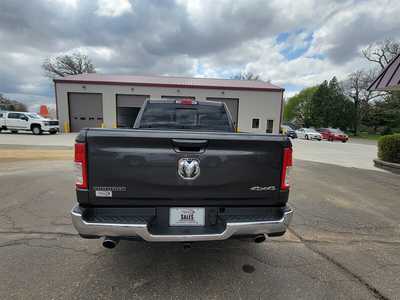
(185, 117)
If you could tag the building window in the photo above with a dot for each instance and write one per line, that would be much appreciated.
(270, 126)
(255, 123)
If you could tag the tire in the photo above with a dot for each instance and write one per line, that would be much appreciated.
(344, 141)
(36, 130)
(306, 136)
(52, 132)
(14, 131)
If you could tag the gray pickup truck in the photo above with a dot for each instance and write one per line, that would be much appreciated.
(181, 174)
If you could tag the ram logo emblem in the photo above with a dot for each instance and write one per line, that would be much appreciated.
(188, 168)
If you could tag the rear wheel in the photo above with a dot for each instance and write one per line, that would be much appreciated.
(53, 132)
(36, 130)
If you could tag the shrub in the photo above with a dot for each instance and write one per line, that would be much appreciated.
(389, 148)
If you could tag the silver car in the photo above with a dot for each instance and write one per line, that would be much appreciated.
(308, 134)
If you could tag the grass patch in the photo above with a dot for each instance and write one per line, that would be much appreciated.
(366, 135)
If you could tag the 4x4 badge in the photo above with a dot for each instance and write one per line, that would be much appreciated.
(263, 188)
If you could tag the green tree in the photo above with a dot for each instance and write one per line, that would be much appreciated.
(297, 108)
(385, 114)
(330, 107)
(317, 107)
(341, 108)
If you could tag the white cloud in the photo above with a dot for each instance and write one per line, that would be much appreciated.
(96, 53)
(68, 3)
(208, 38)
(350, 29)
(113, 8)
(338, 37)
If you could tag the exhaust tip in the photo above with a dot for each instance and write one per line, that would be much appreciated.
(110, 243)
(259, 238)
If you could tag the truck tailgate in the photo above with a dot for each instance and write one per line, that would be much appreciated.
(140, 167)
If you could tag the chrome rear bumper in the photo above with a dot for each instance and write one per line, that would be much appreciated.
(141, 230)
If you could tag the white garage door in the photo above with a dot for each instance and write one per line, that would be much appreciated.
(232, 104)
(85, 110)
(128, 107)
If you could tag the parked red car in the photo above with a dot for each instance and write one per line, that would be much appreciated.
(332, 134)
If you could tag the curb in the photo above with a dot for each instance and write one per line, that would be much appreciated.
(389, 166)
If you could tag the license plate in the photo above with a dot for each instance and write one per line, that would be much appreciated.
(186, 216)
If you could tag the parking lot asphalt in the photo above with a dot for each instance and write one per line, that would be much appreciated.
(343, 244)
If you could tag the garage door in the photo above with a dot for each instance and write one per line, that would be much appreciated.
(232, 104)
(85, 110)
(128, 107)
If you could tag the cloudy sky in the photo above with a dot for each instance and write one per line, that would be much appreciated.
(292, 43)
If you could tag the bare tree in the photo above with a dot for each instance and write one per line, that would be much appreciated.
(11, 105)
(65, 65)
(382, 52)
(246, 76)
(355, 87)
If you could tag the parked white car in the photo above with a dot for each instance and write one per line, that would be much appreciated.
(27, 121)
(308, 134)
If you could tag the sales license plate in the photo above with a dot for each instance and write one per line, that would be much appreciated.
(186, 216)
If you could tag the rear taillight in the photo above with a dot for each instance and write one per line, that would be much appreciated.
(286, 166)
(80, 166)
